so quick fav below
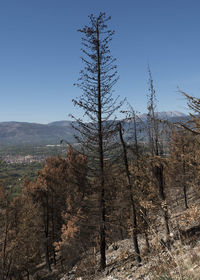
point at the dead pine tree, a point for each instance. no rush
(131, 115)
(137, 154)
(181, 154)
(156, 151)
(133, 207)
(96, 132)
(190, 138)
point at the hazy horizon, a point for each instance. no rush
(69, 120)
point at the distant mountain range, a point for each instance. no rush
(15, 133)
(33, 133)
(165, 115)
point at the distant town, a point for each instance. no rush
(30, 154)
(10, 159)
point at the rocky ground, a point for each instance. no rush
(181, 262)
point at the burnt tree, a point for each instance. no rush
(130, 187)
(156, 151)
(96, 132)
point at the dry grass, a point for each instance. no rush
(181, 262)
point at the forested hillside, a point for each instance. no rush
(53, 224)
(122, 203)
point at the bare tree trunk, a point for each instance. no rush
(134, 214)
(46, 232)
(153, 131)
(4, 248)
(27, 275)
(160, 177)
(135, 137)
(121, 226)
(185, 195)
(147, 241)
(53, 228)
(8, 268)
(48, 265)
(101, 161)
(184, 185)
(5, 268)
(145, 219)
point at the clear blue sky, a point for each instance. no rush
(40, 53)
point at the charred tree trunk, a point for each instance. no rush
(133, 208)
(135, 138)
(101, 160)
(46, 232)
(160, 178)
(96, 80)
(48, 265)
(5, 262)
(145, 219)
(53, 228)
(155, 148)
(4, 247)
(27, 275)
(147, 241)
(184, 183)
(121, 226)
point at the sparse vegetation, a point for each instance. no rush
(108, 208)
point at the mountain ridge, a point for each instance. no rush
(14, 132)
